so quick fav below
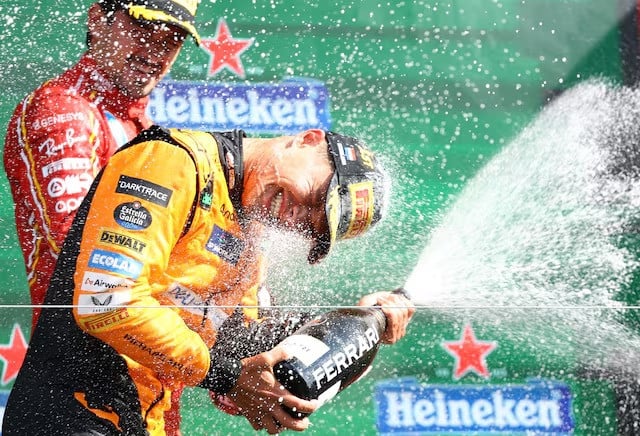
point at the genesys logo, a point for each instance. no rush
(540, 406)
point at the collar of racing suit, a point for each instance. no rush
(230, 153)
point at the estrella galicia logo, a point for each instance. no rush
(144, 189)
(540, 406)
(132, 216)
(225, 245)
(115, 262)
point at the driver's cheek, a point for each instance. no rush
(318, 219)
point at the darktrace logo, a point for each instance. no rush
(144, 190)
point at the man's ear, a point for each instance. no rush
(311, 137)
(95, 18)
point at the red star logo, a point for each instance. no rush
(225, 51)
(13, 355)
(470, 354)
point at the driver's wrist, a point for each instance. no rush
(223, 373)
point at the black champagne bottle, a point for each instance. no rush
(330, 353)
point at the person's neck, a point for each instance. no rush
(254, 151)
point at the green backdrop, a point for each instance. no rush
(436, 87)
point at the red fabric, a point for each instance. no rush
(57, 140)
(172, 416)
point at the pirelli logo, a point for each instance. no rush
(107, 320)
(113, 238)
(361, 208)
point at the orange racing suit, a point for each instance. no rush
(157, 258)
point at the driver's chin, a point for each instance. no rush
(138, 89)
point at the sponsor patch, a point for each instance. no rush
(89, 304)
(407, 407)
(52, 120)
(120, 240)
(115, 262)
(132, 216)
(189, 300)
(69, 185)
(107, 320)
(361, 208)
(67, 164)
(144, 189)
(225, 245)
(98, 282)
(206, 195)
(347, 153)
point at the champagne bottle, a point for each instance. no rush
(330, 353)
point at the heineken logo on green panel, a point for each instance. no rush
(263, 108)
(407, 407)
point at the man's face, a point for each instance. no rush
(289, 188)
(134, 54)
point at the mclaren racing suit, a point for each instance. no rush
(58, 139)
(157, 258)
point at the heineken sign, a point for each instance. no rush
(404, 406)
(284, 108)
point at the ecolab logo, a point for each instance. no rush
(407, 407)
(288, 107)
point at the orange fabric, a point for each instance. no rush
(153, 294)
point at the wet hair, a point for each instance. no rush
(109, 7)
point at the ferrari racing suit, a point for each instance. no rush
(58, 138)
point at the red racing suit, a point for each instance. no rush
(58, 138)
(157, 258)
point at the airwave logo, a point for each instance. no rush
(408, 407)
(288, 107)
(98, 282)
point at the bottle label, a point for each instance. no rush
(305, 348)
(329, 393)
